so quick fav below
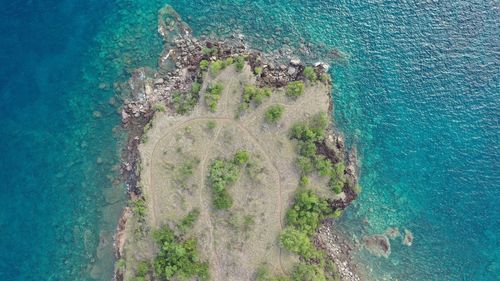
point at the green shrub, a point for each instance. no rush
(184, 102)
(297, 242)
(295, 89)
(142, 269)
(216, 67)
(310, 74)
(323, 166)
(273, 113)
(258, 70)
(308, 272)
(139, 207)
(305, 165)
(184, 171)
(304, 181)
(159, 107)
(195, 88)
(337, 180)
(253, 95)
(241, 157)
(263, 274)
(325, 78)
(204, 64)
(319, 121)
(211, 125)
(307, 211)
(213, 95)
(209, 51)
(228, 61)
(240, 63)
(178, 257)
(188, 221)
(223, 173)
(335, 185)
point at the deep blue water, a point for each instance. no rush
(416, 92)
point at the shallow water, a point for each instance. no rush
(416, 92)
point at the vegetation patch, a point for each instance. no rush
(222, 174)
(307, 211)
(308, 135)
(178, 257)
(274, 113)
(213, 95)
(240, 63)
(295, 89)
(310, 74)
(253, 95)
(185, 102)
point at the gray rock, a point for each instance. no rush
(378, 245)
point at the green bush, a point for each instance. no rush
(159, 107)
(253, 95)
(304, 181)
(307, 211)
(213, 95)
(240, 63)
(184, 171)
(319, 121)
(305, 165)
(223, 173)
(142, 269)
(297, 242)
(216, 67)
(241, 157)
(228, 61)
(195, 88)
(337, 180)
(263, 274)
(310, 74)
(204, 64)
(211, 125)
(139, 207)
(308, 272)
(209, 51)
(325, 78)
(307, 136)
(178, 257)
(323, 166)
(273, 113)
(184, 102)
(295, 89)
(188, 221)
(258, 70)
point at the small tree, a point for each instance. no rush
(273, 113)
(310, 74)
(295, 89)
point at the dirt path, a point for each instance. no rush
(205, 214)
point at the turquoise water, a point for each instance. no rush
(416, 92)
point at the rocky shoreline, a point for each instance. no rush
(179, 67)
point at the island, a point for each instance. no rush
(233, 166)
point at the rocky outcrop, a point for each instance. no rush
(378, 245)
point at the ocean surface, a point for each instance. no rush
(416, 91)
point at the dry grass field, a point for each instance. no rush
(175, 163)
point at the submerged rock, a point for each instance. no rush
(378, 245)
(408, 238)
(392, 232)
